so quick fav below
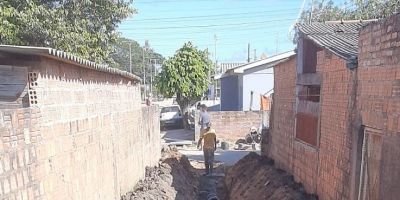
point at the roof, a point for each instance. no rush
(66, 57)
(268, 63)
(225, 66)
(339, 37)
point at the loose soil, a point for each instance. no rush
(252, 178)
(174, 179)
(255, 178)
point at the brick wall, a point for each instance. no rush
(369, 97)
(324, 169)
(335, 136)
(19, 137)
(283, 115)
(95, 138)
(378, 103)
(233, 125)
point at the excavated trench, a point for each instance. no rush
(252, 178)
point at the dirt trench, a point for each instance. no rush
(252, 178)
(174, 178)
(255, 178)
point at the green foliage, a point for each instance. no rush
(185, 75)
(121, 57)
(83, 27)
(323, 10)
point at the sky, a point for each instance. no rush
(225, 27)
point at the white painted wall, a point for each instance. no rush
(260, 82)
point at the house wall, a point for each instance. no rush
(258, 81)
(93, 140)
(230, 93)
(324, 169)
(378, 104)
(283, 115)
(333, 178)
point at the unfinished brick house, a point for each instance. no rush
(335, 116)
(70, 128)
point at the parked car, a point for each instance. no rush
(171, 116)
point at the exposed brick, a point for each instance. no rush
(103, 112)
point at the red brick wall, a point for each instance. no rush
(95, 138)
(335, 144)
(378, 100)
(324, 169)
(19, 138)
(233, 125)
(283, 115)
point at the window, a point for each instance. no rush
(170, 109)
(307, 116)
(307, 128)
(310, 93)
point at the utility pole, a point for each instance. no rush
(248, 52)
(255, 54)
(130, 57)
(144, 70)
(215, 65)
(277, 43)
(151, 74)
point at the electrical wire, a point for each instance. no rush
(207, 16)
(210, 25)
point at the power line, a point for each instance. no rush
(216, 18)
(221, 36)
(229, 30)
(206, 16)
(174, 1)
(212, 25)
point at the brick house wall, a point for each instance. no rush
(322, 169)
(335, 136)
(378, 105)
(94, 138)
(359, 106)
(283, 115)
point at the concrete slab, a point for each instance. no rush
(177, 135)
(227, 158)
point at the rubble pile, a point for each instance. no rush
(173, 179)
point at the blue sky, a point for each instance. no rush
(167, 24)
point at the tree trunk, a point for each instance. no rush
(184, 104)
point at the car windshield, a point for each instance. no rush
(170, 109)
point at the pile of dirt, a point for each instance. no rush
(173, 179)
(254, 177)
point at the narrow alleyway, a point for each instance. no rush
(238, 175)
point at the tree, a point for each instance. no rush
(83, 27)
(322, 10)
(121, 57)
(185, 76)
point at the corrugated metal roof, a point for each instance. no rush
(57, 54)
(339, 37)
(268, 62)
